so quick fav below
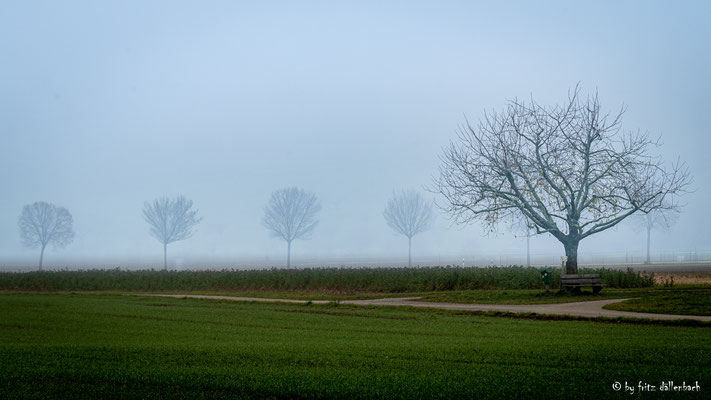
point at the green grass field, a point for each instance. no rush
(689, 302)
(113, 346)
(686, 301)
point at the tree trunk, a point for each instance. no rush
(409, 252)
(571, 251)
(42, 256)
(528, 249)
(288, 254)
(649, 234)
(165, 256)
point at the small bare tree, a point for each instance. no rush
(568, 169)
(407, 213)
(170, 221)
(654, 220)
(42, 223)
(291, 214)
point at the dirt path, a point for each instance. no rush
(582, 309)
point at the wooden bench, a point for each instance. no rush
(575, 282)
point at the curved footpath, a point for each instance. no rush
(581, 309)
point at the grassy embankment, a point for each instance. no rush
(682, 301)
(105, 346)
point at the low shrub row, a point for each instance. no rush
(343, 280)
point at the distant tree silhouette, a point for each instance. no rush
(43, 223)
(407, 213)
(170, 221)
(291, 214)
(660, 220)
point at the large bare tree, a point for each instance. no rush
(43, 223)
(170, 221)
(660, 220)
(569, 169)
(291, 214)
(407, 213)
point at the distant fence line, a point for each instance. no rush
(584, 258)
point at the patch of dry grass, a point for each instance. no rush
(683, 278)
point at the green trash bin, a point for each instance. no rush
(546, 277)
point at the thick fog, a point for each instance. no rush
(107, 105)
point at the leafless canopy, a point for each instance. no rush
(170, 220)
(408, 213)
(659, 219)
(42, 223)
(568, 169)
(291, 214)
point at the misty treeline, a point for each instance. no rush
(333, 280)
(568, 170)
(290, 214)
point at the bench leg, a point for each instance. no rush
(597, 289)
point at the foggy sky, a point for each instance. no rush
(106, 105)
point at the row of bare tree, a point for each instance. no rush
(290, 214)
(567, 170)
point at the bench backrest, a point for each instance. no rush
(571, 276)
(579, 278)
